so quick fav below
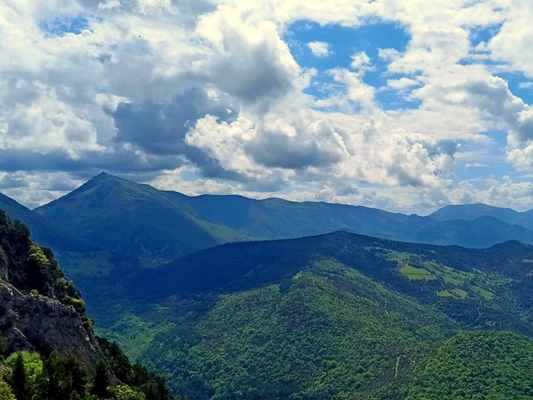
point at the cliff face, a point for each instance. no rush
(39, 309)
(45, 325)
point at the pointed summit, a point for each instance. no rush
(134, 219)
(105, 180)
(102, 175)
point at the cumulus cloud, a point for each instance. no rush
(150, 88)
(319, 49)
(360, 61)
(244, 146)
(402, 83)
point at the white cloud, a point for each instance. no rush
(320, 49)
(402, 83)
(525, 85)
(146, 86)
(360, 61)
(474, 165)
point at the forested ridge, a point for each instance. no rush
(48, 350)
(338, 316)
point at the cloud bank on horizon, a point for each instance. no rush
(402, 105)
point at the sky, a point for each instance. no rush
(402, 105)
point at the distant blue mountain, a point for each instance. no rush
(138, 220)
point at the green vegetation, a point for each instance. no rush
(460, 293)
(477, 366)
(315, 318)
(78, 304)
(319, 323)
(339, 316)
(43, 231)
(458, 284)
(25, 375)
(444, 293)
(483, 293)
(134, 220)
(46, 373)
(87, 264)
(416, 273)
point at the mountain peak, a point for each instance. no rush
(102, 178)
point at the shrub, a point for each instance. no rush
(78, 304)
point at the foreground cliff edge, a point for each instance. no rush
(48, 348)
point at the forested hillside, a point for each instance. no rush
(333, 316)
(48, 350)
(43, 230)
(478, 366)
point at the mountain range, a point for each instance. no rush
(123, 217)
(332, 316)
(469, 212)
(236, 298)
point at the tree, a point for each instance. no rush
(5, 392)
(18, 378)
(124, 392)
(65, 378)
(101, 380)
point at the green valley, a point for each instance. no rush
(333, 316)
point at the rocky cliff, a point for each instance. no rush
(39, 309)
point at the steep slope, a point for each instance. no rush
(43, 231)
(233, 321)
(39, 309)
(132, 219)
(326, 332)
(47, 346)
(477, 365)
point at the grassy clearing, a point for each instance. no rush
(397, 256)
(459, 293)
(483, 293)
(444, 293)
(416, 273)
(409, 271)
(455, 277)
(457, 284)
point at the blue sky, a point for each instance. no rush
(343, 43)
(407, 106)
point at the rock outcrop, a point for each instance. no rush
(35, 322)
(39, 309)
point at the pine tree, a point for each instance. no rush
(18, 379)
(101, 380)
